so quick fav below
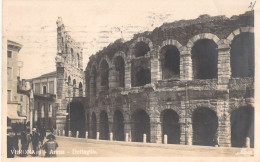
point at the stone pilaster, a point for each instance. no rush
(128, 74)
(224, 69)
(113, 78)
(185, 65)
(155, 65)
(156, 130)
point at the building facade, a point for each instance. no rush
(44, 97)
(192, 80)
(16, 101)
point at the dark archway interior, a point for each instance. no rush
(171, 126)
(118, 126)
(87, 88)
(93, 82)
(94, 125)
(120, 71)
(243, 55)
(88, 124)
(242, 126)
(77, 119)
(74, 88)
(205, 125)
(140, 49)
(104, 73)
(104, 128)
(170, 62)
(204, 59)
(80, 90)
(142, 77)
(141, 126)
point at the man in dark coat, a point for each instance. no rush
(10, 144)
(42, 134)
(35, 141)
(50, 146)
(24, 143)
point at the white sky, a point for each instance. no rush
(94, 23)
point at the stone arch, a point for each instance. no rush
(169, 56)
(77, 118)
(204, 54)
(238, 31)
(74, 84)
(118, 125)
(119, 53)
(171, 42)
(118, 64)
(205, 126)
(242, 126)
(242, 52)
(144, 40)
(80, 89)
(170, 126)
(94, 125)
(104, 125)
(104, 68)
(93, 80)
(87, 84)
(141, 125)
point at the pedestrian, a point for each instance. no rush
(10, 144)
(42, 134)
(50, 146)
(35, 141)
(24, 143)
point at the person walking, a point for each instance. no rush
(35, 141)
(50, 146)
(42, 134)
(24, 143)
(10, 144)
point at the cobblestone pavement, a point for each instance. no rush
(71, 147)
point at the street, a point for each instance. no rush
(76, 147)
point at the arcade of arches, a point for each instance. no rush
(197, 88)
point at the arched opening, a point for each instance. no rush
(94, 125)
(170, 62)
(88, 124)
(72, 55)
(69, 83)
(77, 119)
(87, 88)
(104, 127)
(118, 126)
(141, 76)
(205, 125)
(242, 126)
(78, 61)
(104, 75)
(204, 59)
(74, 88)
(170, 126)
(93, 80)
(242, 55)
(140, 49)
(141, 124)
(80, 90)
(120, 71)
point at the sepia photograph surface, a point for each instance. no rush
(138, 80)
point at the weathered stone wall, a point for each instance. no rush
(185, 95)
(70, 75)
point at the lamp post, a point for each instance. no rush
(31, 107)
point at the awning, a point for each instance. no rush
(12, 113)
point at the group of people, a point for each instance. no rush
(31, 143)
